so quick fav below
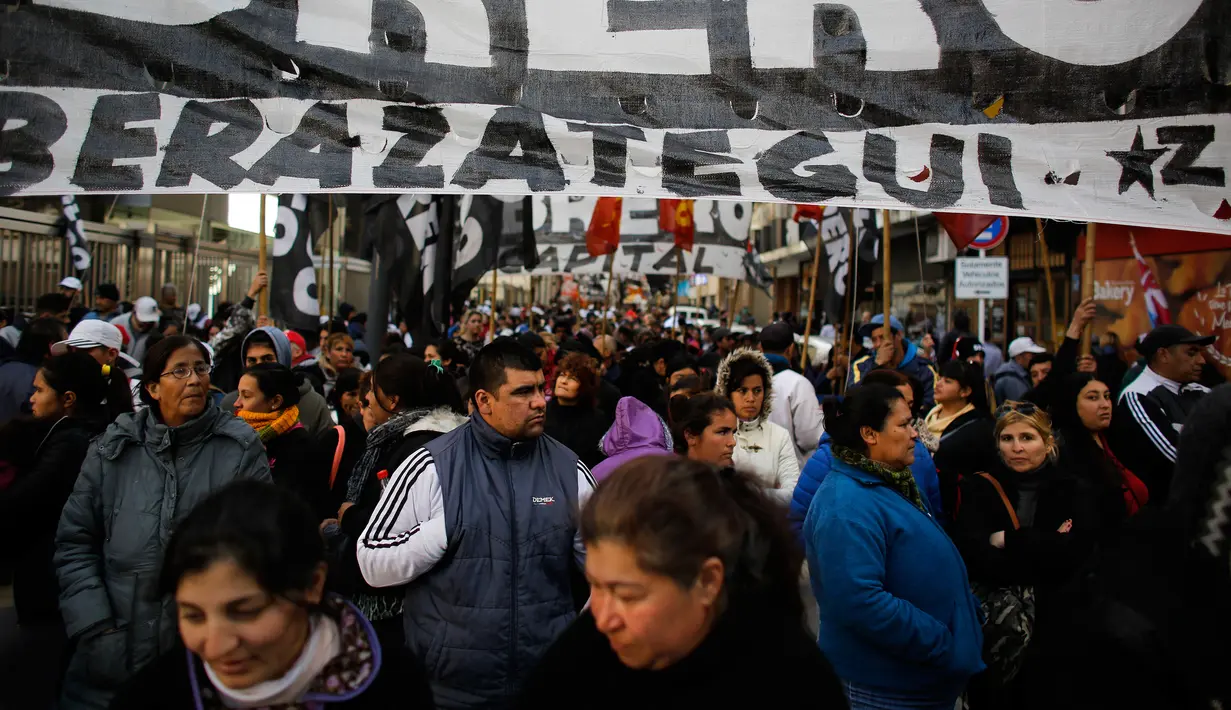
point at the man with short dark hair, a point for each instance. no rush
(480, 525)
(1150, 413)
(722, 342)
(795, 407)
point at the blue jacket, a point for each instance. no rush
(913, 364)
(895, 603)
(924, 470)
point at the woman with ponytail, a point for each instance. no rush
(694, 600)
(74, 399)
(268, 400)
(409, 404)
(897, 616)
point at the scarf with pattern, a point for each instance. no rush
(269, 425)
(901, 481)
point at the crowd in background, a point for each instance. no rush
(549, 507)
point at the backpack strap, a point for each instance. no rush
(1004, 499)
(337, 455)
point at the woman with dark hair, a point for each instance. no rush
(343, 399)
(762, 447)
(1082, 414)
(573, 417)
(74, 399)
(706, 428)
(410, 403)
(898, 619)
(818, 466)
(693, 599)
(246, 572)
(962, 426)
(268, 401)
(681, 366)
(140, 476)
(1025, 529)
(17, 373)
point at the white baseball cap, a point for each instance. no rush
(90, 334)
(146, 310)
(71, 282)
(1024, 344)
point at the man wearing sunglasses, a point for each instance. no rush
(1150, 412)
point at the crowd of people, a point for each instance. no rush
(558, 508)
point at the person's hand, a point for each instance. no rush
(1065, 526)
(262, 321)
(1086, 363)
(997, 540)
(345, 507)
(884, 354)
(1081, 318)
(260, 280)
(327, 522)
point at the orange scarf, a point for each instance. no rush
(272, 424)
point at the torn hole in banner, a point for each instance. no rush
(373, 144)
(992, 108)
(280, 117)
(159, 74)
(635, 105)
(746, 107)
(285, 67)
(403, 42)
(1119, 102)
(922, 175)
(847, 106)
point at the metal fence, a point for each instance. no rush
(33, 260)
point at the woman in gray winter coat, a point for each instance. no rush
(140, 477)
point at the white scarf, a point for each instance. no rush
(324, 644)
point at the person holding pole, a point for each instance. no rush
(892, 351)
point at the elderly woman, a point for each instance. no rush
(898, 620)
(141, 476)
(761, 447)
(693, 600)
(573, 416)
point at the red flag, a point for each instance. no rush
(812, 212)
(603, 234)
(963, 228)
(677, 217)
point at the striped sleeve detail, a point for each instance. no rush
(1156, 436)
(397, 492)
(406, 535)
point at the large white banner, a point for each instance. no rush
(1112, 110)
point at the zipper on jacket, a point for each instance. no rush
(508, 472)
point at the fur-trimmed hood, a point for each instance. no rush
(441, 420)
(723, 386)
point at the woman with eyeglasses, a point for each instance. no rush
(1024, 529)
(139, 478)
(245, 574)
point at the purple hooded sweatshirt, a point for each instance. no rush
(637, 431)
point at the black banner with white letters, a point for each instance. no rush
(74, 233)
(292, 283)
(1115, 111)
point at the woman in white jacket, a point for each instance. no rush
(761, 447)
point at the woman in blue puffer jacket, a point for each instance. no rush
(924, 469)
(898, 620)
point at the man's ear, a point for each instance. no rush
(483, 401)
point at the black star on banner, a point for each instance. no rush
(1137, 164)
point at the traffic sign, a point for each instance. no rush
(991, 237)
(982, 278)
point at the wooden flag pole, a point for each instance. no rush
(495, 273)
(610, 284)
(679, 269)
(1087, 281)
(1051, 289)
(885, 240)
(731, 293)
(262, 259)
(816, 266)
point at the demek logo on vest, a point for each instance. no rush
(547, 500)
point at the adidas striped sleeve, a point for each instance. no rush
(406, 535)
